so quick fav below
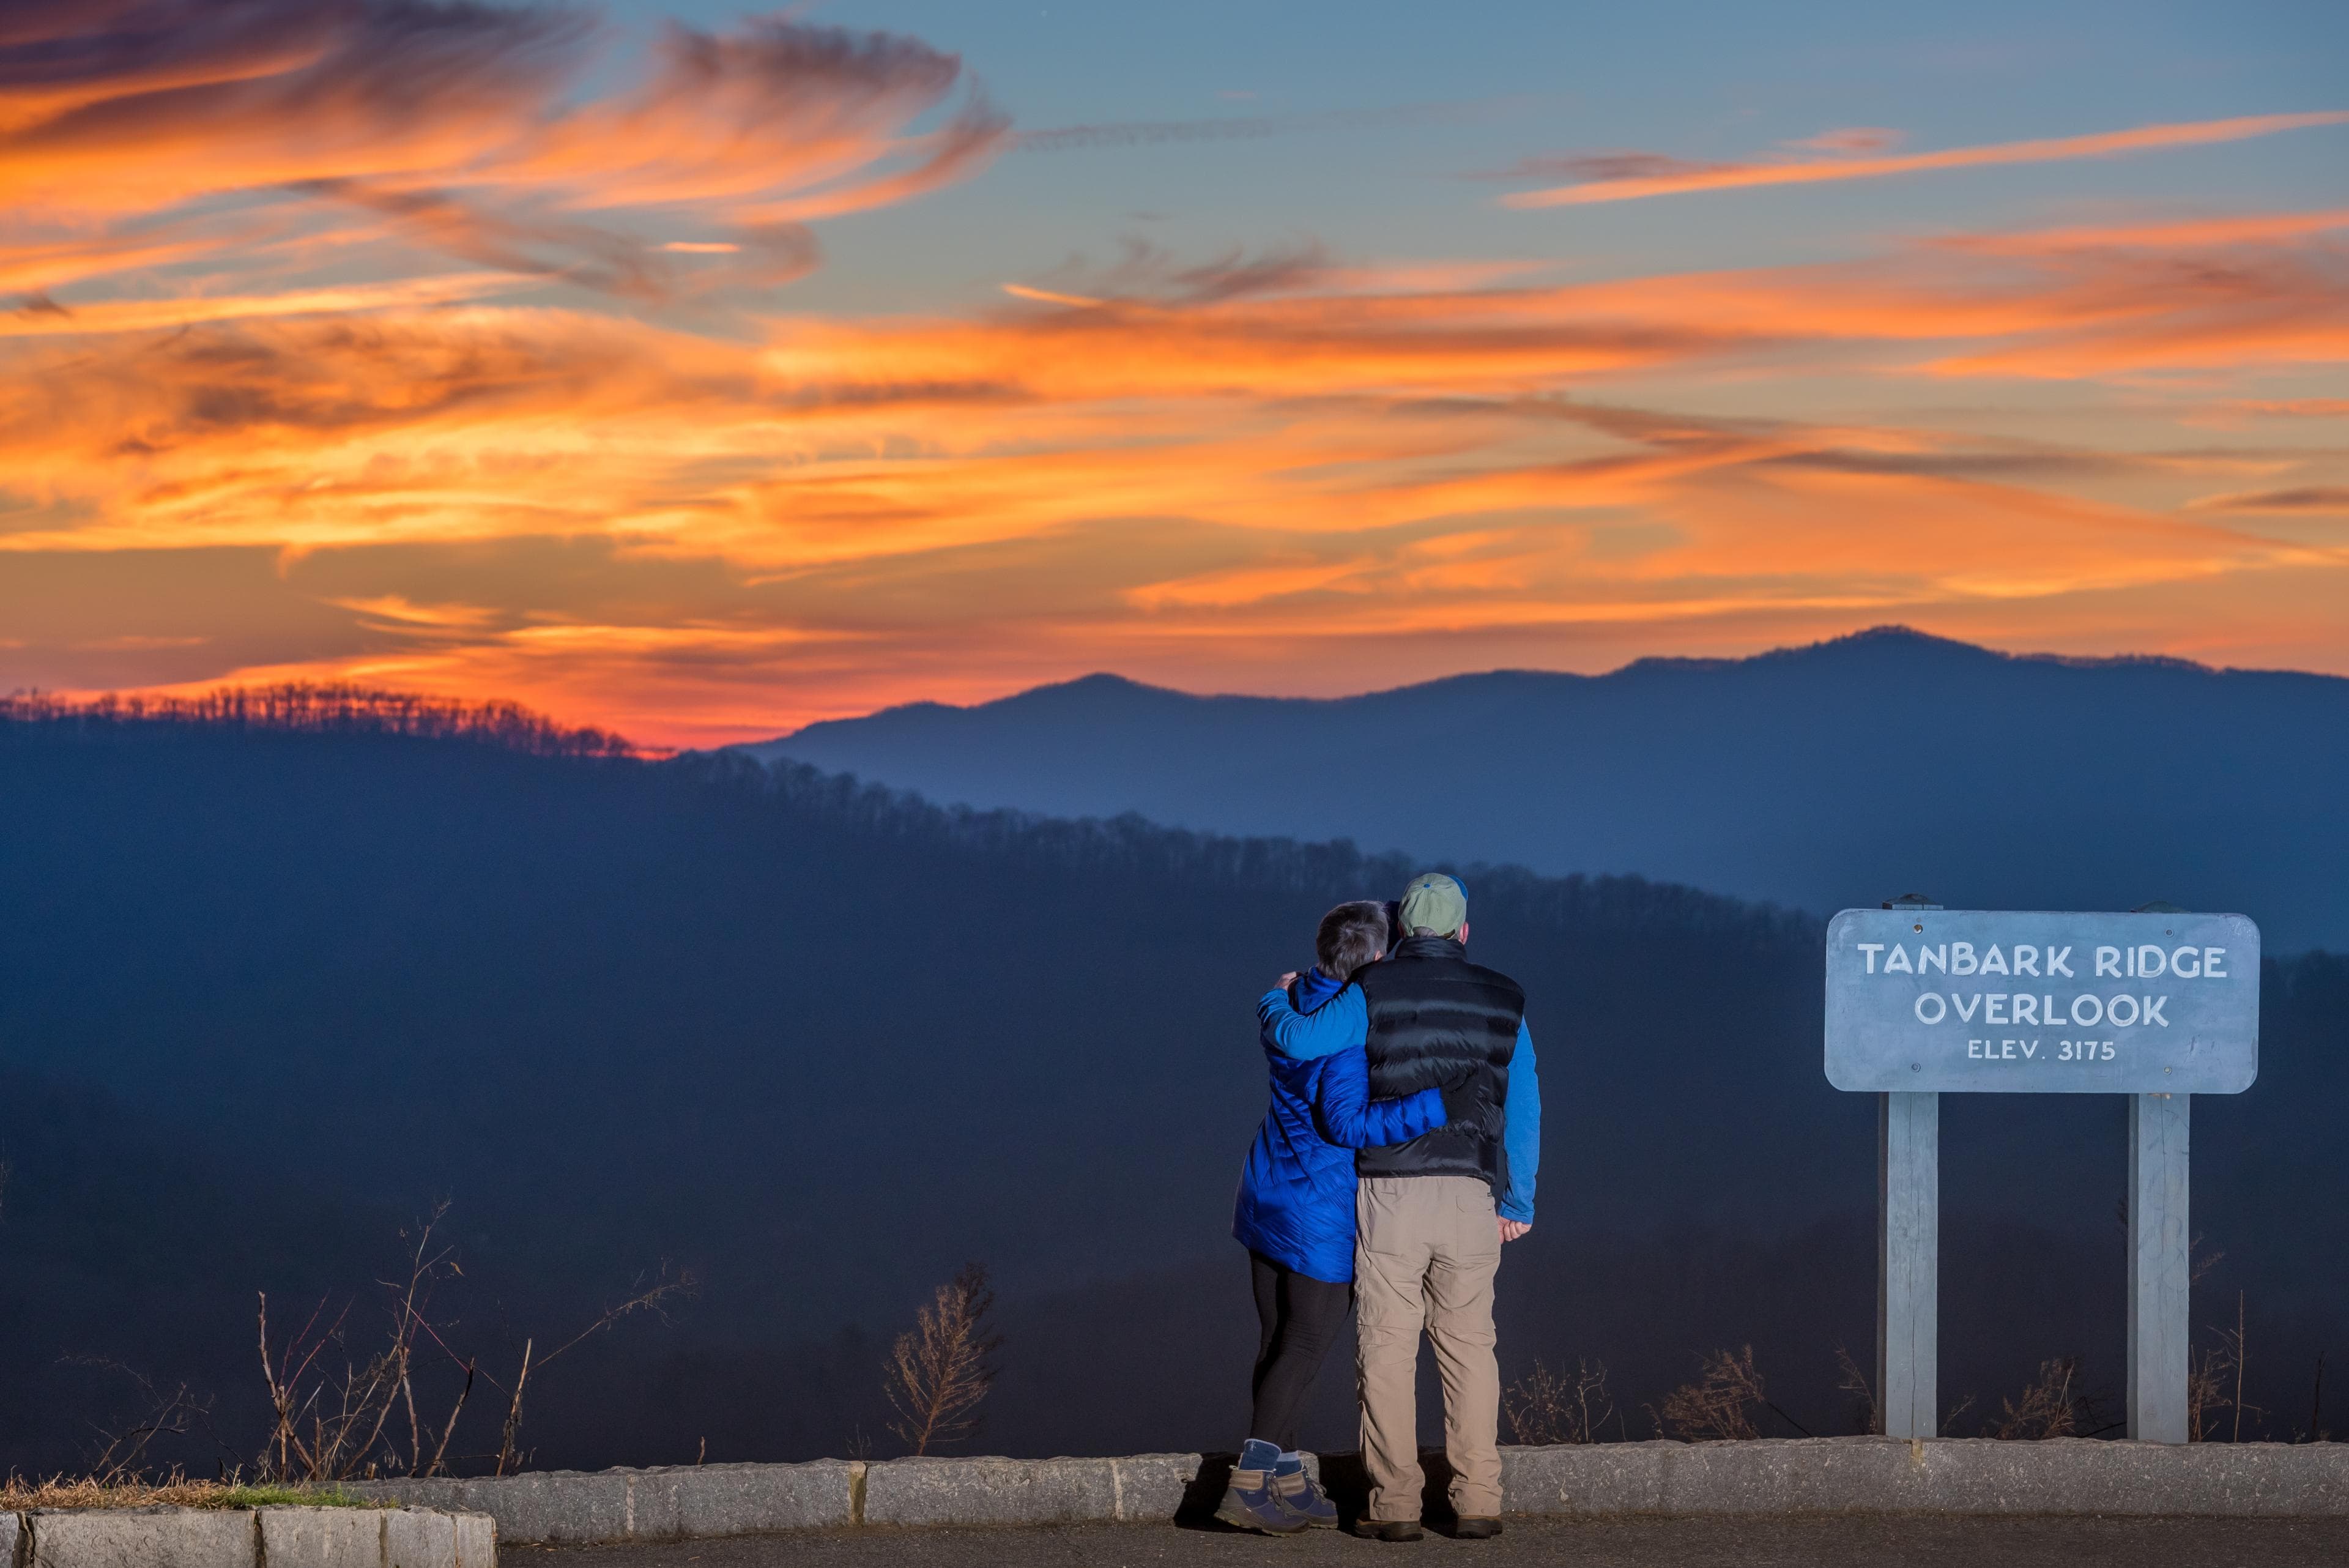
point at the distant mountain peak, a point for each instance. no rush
(1106, 690)
(1878, 642)
(1099, 682)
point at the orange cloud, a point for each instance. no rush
(50, 320)
(2329, 499)
(471, 131)
(2237, 229)
(692, 527)
(2296, 408)
(1628, 177)
(1852, 139)
(299, 427)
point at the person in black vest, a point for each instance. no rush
(1431, 1214)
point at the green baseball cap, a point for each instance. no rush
(1434, 900)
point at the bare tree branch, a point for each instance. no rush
(939, 1370)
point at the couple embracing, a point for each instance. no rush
(1397, 1157)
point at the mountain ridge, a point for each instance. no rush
(1816, 777)
(1889, 633)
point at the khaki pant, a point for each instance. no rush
(1425, 1251)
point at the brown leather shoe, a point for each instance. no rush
(1476, 1530)
(1388, 1530)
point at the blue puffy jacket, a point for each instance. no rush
(1296, 1201)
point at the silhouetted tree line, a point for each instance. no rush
(301, 709)
(1134, 846)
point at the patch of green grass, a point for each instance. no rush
(274, 1496)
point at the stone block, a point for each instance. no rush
(1150, 1487)
(424, 1538)
(1941, 1475)
(144, 1537)
(989, 1492)
(699, 1500)
(1585, 1478)
(1980, 1475)
(2077, 1475)
(12, 1541)
(322, 1537)
(477, 1541)
(539, 1507)
(415, 1538)
(1791, 1475)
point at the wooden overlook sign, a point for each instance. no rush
(2157, 1004)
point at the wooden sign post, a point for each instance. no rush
(2159, 1268)
(1908, 1260)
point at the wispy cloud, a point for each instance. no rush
(1853, 138)
(2331, 499)
(1633, 176)
(2172, 234)
(2293, 408)
(1244, 127)
(173, 127)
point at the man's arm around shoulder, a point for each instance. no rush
(1338, 1024)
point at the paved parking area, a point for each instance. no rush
(1761, 1542)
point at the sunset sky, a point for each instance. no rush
(699, 373)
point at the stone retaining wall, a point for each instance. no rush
(246, 1538)
(1829, 1474)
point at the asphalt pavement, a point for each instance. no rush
(1731, 1543)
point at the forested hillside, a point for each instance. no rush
(278, 981)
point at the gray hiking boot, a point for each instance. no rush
(1302, 1498)
(1250, 1503)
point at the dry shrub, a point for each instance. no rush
(1544, 1408)
(938, 1371)
(2206, 1392)
(2054, 1405)
(1720, 1405)
(340, 1412)
(172, 1490)
(19, 1495)
(122, 1460)
(340, 1416)
(2045, 1410)
(1865, 1408)
(2214, 1382)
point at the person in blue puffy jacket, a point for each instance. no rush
(1294, 1214)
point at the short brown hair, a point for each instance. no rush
(1352, 935)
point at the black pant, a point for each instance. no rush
(1300, 1317)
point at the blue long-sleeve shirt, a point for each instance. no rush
(1344, 1023)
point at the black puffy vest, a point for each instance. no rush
(1433, 1014)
